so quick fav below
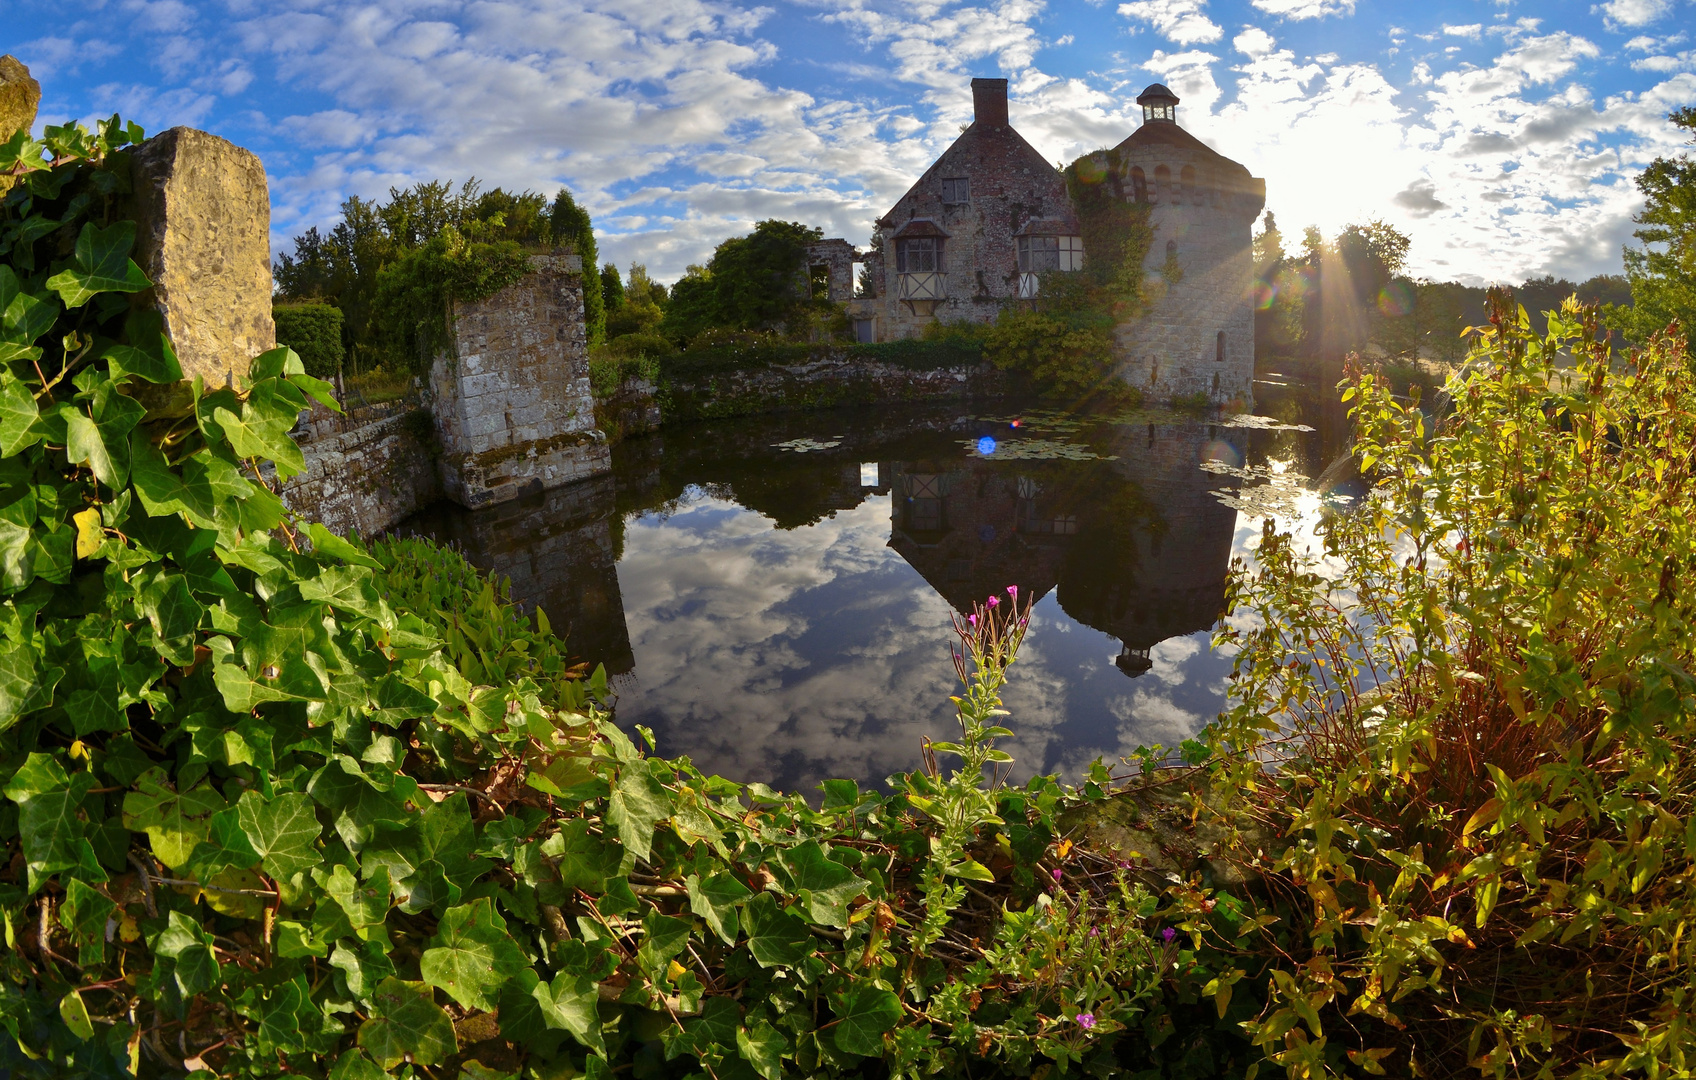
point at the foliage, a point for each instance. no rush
(314, 332)
(1469, 732)
(610, 369)
(1663, 271)
(612, 287)
(570, 224)
(417, 292)
(642, 307)
(754, 282)
(347, 267)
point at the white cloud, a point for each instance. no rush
(1253, 41)
(1684, 61)
(1179, 21)
(1473, 31)
(1305, 9)
(1634, 12)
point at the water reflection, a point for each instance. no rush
(774, 595)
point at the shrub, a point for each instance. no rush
(1471, 728)
(314, 332)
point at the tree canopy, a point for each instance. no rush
(1663, 271)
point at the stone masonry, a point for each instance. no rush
(949, 249)
(513, 407)
(20, 95)
(203, 235)
(365, 470)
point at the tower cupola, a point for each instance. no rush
(1158, 103)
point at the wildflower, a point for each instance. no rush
(1057, 874)
(993, 601)
(1168, 934)
(1086, 1020)
(1013, 591)
(1095, 931)
(973, 619)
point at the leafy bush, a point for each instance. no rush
(413, 310)
(314, 332)
(1472, 729)
(608, 371)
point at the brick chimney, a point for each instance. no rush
(989, 102)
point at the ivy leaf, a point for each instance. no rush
(18, 415)
(663, 937)
(407, 1022)
(184, 941)
(638, 803)
(126, 361)
(174, 823)
(283, 831)
(865, 1013)
(826, 887)
(85, 445)
(763, 1047)
(50, 819)
(83, 914)
(775, 937)
(26, 683)
(573, 1004)
(585, 859)
(74, 1012)
(102, 264)
(472, 955)
(715, 900)
(366, 903)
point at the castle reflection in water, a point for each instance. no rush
(1123, 528)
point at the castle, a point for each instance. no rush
(991, 217)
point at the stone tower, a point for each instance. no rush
(1197, 335)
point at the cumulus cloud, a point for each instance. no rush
(1420, 199)
(1634, 12)
(1305, 9)
(1179, 21)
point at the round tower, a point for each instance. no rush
(1196, 336)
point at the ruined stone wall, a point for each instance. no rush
(513, 407)
(366, 470)
(829, 378)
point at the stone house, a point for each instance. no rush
(972, 234)
(981, 226)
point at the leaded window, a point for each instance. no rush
(956, 189)
(918, 255)
(1040, 253)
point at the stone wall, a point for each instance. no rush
(513, 407)
(365, 470)
(829, 378)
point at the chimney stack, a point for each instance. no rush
(989, 102)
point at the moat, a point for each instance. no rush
(772, 596)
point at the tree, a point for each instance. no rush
(758, 282)
(571, 224)
(1268, 243)
(643, 306)
(1663, 271)
(612, 288)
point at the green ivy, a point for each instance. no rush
(314, 332)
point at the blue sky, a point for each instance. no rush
(1503, 136)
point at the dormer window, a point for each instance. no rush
(956, 189)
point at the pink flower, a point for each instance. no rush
(993, 601)
(1086, 1020)
(1057, 874)
(973, 619)
(1013, 591)
(1168, 934)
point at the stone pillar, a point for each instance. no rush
(20, 95)
(513, 406)
(203, 235)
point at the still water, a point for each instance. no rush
(772, 595)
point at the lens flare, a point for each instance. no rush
(1395, 299)
(986, 446)
(1262, 294)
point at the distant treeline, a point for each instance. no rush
(1350, 294)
